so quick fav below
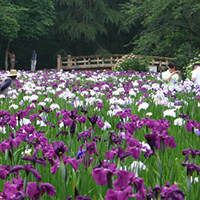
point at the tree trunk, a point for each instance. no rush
(6, 55)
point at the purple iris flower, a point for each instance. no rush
(126, 178)
(165, 192)
(114, 139)
(67, 122)
(7, 119)
(81, 119)
(93, 119)
(152, 124)
(22, 113)
(59, 148)
(50, 124)
(163, 124)
(123, 114)
(130, 127)
(55, 165)
(166, 139)
(176, 194)
(109, 155)
(84, 111)
(120, 126)
(184, 116)
(34, 116)
(73, 127)
(44, 109)
(91, 148)
(11, 192)
(190, 125)
(34, 159)
(191, 168)
(134, 151)
(123, 179)
(85, 134)
(19, 182)
(62, 132)
(4, 171)
(119, 152)
(191, 152)
(10, 143)
(155, 192)
(100, 105)
(73, 114)
(134, 148)
(102, 175)
(99, 122)
(74, 163)
(152, 141)
(156, 140)
(28, 168)
(35, 192)
(121, 194)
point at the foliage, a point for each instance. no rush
(166, 25)
(26, 19)
(9, 20)
(41, 11)
(85, 19)
(132, 62)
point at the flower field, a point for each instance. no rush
(99, 135)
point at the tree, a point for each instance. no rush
(9, 24)
(166, 27)
(28, 19)
(85, 20)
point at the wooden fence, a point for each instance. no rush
(105, 62)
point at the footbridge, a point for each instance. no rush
(106, 62)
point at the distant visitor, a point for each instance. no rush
(12, 59)
(33, 60)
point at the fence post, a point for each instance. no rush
(59, 62)
(69, 61)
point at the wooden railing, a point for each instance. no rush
(102, 62)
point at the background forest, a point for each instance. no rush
(86, 27)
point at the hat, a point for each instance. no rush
(13, 72)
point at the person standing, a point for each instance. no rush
(12, 59)
(172, 76)
(8, 81)
(33, 60)
(196, 74)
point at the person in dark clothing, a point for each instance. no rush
(8, 82)
(33, 60)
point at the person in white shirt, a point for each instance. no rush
(171, 77)
(196, 74)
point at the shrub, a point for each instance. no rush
(131, 62)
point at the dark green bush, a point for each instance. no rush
(131, 62)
